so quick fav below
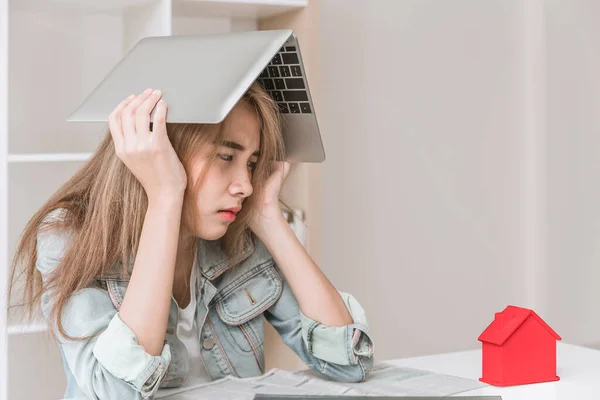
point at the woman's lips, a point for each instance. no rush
(227, 215)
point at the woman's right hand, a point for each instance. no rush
(148, 154)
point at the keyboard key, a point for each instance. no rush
(279, 84)
(277, 95)
(305, 107)
(269, 84)
(276, 60)
(295, 95)
(284, 70)
(296, 71)
(290, 48)
(294, 108)
(281, 50)
(273, 72)
(295, 83)
(283, 108)
(265, 73)
(290, 58)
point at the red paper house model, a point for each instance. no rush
(518, 347)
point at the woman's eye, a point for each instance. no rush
(225, 157)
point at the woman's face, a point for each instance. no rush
(227, 181)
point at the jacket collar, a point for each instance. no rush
(213, 260)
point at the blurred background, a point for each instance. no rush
(462, 170)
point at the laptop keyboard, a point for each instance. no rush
(284, 80)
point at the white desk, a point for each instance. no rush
(578, 369)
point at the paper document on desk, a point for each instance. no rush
(391, 380)
(384, 379)
(274, 381)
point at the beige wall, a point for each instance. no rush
(462, 159)
(421, 202)
(3, 196)
(573, 149)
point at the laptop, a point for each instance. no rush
(203, 76)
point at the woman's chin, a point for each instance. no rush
(213, 233)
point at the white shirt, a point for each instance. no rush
(187, 332)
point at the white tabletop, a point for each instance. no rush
(578, 369)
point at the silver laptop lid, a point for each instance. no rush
(203, 77)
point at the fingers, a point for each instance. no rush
(114, 122)
(285, 165)
(159, 124)
(132, 118)
(128, 123)
(142, 114)
(280, 169)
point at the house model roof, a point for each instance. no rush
(508, 322)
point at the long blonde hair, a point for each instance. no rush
(106, 206)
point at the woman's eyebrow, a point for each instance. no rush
(237, 146)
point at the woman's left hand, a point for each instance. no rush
(268, 205)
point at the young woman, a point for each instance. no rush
(158, 261)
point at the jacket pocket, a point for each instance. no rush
(249, 295)
(242, 304)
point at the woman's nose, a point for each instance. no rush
(242, 185)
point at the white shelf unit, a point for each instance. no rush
(47, 157)
(52, 54)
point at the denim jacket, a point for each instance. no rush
(232, 304)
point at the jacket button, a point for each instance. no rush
(208, 343)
